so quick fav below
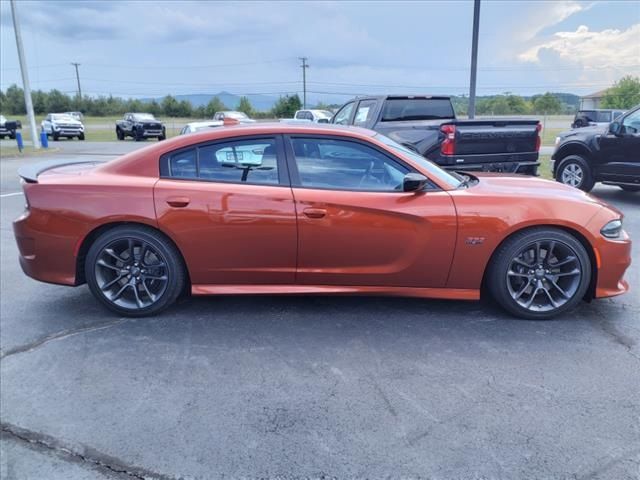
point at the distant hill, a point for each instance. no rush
(261, 103)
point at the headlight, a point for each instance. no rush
(557, 141)
(56, 127)
(613, 229)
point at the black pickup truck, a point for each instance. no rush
(428, 125)
(140, 126)
(609, 154)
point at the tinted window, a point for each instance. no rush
(603, 117)
(364, 112)
(345, 165)
(342, 117)
(631, 123)
(183, 164)
(252, 161)
(395, 109)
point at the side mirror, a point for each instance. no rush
(615, 128)
(414, 182)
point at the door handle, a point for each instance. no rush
(178, 202)
(314, 212)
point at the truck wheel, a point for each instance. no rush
(56, 137)
(575, 172)
(12, 135)
(162, 137)
(81, 136)
(630, 188)
(539, 273)
(119, 134)
(137, 135)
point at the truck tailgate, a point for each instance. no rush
(495, 137)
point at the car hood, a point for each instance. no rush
(584, 131)
(67, 121)
(524, 187)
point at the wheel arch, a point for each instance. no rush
(94, 234)
(571, 148)
(590, 294)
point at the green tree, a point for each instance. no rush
(58, 102)
(624, 94)
(286, 106)
(245, 106)
(214, 105)
(547, 104)
(170, 106)
(15, 100)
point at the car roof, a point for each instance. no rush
(400, 96)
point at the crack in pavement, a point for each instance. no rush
(60, 335)
(612, 331)
(97, 460)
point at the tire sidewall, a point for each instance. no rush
(175, 268)
(497, 277)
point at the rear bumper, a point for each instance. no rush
(530, 168)
(45, 257)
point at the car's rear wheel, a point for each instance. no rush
(134, 271)
(630, 188)
(575, 172)
(539, 273)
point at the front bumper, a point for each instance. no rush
(152, 133)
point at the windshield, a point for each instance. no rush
(144, 116)
(324, 114)
(432, 169)
(402, 109)
(63, 118)
(236, 115)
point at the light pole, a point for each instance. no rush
(78, 79)
(474, 59)
(304, 67)
(25, 77)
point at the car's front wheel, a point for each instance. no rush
(81, 136)
(134, 271)
(539, 273)
(575, 172)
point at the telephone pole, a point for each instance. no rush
(25, 77)
(78, 79)
(474, 59)
(304, 67)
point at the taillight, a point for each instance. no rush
(538, 138)
(448, 145)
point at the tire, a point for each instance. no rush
(578, 123)
(131, 285)
(119, 134)
(81, 136)
(575, 172)
(56, 137)
(12, 136)
(162, 137)
(549, 290)
(630, 188)
(136, 135)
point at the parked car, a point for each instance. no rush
(197, 126)
(587, 118)
(610, 155)
(77, 115)
(315, 116)
(230, 114)
(311, 209)
(8, 127)
(428, 125)
(140, 126)
(56, 125)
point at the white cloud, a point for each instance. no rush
(547, 14)
(607, 48)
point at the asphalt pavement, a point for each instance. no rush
(312, 387)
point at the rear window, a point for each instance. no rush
(398, 109)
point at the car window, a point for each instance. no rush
(602, 117)
(183, 164)
(364, 112)
(631, 123)
(342, 117)
(415, 108)
(252, 161)
(345, 165)
(300, 114)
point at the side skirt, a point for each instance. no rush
(441, 293)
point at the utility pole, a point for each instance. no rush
(25, 77)
(304, 67)
(474, 59)
(78, 79)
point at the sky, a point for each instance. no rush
(154, 48)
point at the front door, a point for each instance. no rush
(619, 156)
(229, 205)
(355, 224)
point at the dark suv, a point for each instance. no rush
(586, 118)
(609, 154)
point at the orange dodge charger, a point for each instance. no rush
(297, 209)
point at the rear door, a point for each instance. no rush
(229, 207)
(355, 224)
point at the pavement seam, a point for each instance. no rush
(95, 459)
(61, 335)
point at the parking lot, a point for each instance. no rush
(312, 387)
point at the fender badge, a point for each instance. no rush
(474, 240)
